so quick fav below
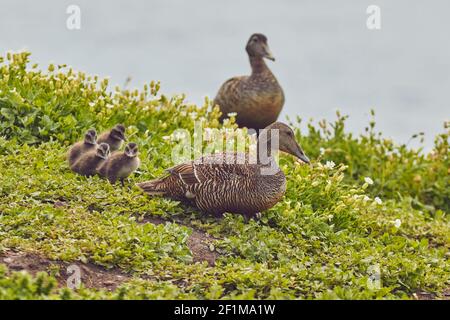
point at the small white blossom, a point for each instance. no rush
(397, 223)
(366, 198)
(329, 165)
(322, 151)
(368, 180)
(232, 114)
(179, 135)
(378, 200)
(166, 138)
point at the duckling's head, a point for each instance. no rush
(102, 151)
(90, 137)
(287, 142)
(131, 150)
(257, 47)
(118, 132)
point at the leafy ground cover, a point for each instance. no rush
(369, 219)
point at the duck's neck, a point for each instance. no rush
(265, 148)
(258, 66)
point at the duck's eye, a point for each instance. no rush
(255, 39)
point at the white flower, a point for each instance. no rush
(322, 151)
(91, 104)
(397, 223)
(368, 180)
(178, 135)
(232, 114)
(366, 198)
(166, 137)
(378, 200)
(329, 165)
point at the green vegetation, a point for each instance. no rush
(324, 240)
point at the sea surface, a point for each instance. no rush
(326, 57)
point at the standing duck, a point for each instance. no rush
(88, 163)
(257, 99)
(113, 137)
(81, 147)
(231, 182)
(120, 164)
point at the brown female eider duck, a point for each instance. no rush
(257, 99)
(231, 182)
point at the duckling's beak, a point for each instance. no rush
(267, 53)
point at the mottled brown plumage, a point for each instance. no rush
(256, 99)
(89, 162)
(120, 164)
(81, 147)
(114, 137)
(230, 182)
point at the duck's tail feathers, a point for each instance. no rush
(155, 187)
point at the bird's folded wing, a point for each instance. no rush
(199, 172)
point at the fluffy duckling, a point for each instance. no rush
(81, 147)
(257, 99)
(121, 164)
(113, 137)
(89, 162)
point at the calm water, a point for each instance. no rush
(327, 59)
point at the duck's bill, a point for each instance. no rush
(303, 158)
(268, 54)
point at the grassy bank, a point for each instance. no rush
(367, 206)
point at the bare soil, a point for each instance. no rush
(92, 276)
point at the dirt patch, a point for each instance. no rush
(199, 242)
(431, 296)
(92, 276)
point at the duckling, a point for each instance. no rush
(81, 147)
(113, 137)
(121, 164)
(231, 182)
(89, 162)
(257, 99)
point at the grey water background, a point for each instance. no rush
(327, 59)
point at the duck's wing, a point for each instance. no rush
(220, 167)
